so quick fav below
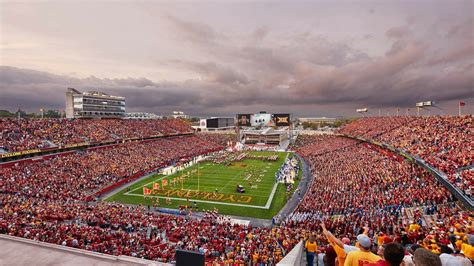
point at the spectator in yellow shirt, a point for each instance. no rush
(311, 248)
(337, 244)
(362, 256)
(468, 248)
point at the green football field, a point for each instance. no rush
(209, 185)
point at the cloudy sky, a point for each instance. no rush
(311, 58)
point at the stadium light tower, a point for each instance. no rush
(424, 105)
(362, 111)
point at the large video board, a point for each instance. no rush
(263, 120)
(281, 120)
(243, 120)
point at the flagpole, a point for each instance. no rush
(459, 106)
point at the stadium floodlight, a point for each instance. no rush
(362, 110)
(424, 105)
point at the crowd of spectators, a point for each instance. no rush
(355, 185)
(42, 200)
(312, 145)
(224, 139)
(26, 134)
(132, 230)
(73, 175)
(360, 183)
(444, 142)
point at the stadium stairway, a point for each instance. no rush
(408, 215)
(50, 144)
(430, 220)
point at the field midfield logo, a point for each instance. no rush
(244, 199)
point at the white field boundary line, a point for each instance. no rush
(270, 199)
(266, 207)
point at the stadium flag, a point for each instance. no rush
(164, 182)
(156, 186)
(146, 191)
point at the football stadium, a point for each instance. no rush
(237, 133)
(233, 183)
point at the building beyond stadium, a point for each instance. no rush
(216, 124)
(93, 104)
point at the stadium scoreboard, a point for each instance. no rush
(263, 119)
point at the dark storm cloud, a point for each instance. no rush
(344, 76)
(387, 81)
(34, 89)
(290, 71)
(215, 72)
(260, 33)
(462, 35)
(193, 31)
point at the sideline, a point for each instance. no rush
(304, 184)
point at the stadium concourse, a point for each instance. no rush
(357, 187)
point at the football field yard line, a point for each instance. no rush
(232, 179)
